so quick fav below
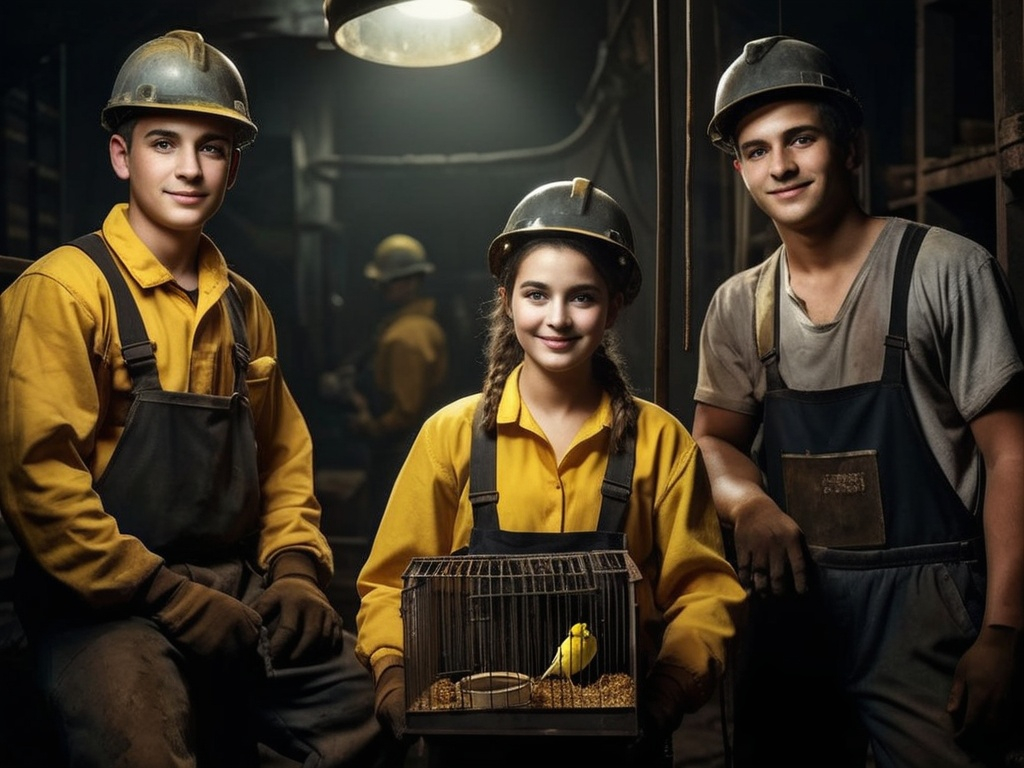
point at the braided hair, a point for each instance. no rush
(504, 352)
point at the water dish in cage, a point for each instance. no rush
(496, 690)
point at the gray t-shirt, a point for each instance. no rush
(962, 351)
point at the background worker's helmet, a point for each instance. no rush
(773, 69)
(397, 256)
(574, 210)
(180, 71)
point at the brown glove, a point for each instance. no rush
(668, 693)
(986, 699)
(300, 620)
(201, 620)
(390, 694)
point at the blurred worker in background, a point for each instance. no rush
(157, 473)
(880, 522)
(392, 386)
(555, 427)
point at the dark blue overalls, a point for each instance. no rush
(896, 576)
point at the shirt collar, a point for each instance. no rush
(512, 410)
(146, 269)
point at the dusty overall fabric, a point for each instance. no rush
(897, 583)
(122, 693)
(488, 539)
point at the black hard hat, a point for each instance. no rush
(575, 209)
(180, 71)
(773, 69)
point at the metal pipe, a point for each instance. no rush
(329, 165)
(688, 190)
(663, 226)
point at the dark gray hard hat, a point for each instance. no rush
(397, 256)
(577, 210)
(180, 71)
(774, 69)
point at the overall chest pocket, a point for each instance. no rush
(835, 498)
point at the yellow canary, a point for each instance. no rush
(575, 652)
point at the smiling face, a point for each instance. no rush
(179, 167)
(560, 306)
(792, 166)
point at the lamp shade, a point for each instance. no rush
(415, 33)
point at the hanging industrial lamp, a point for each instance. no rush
(415, 33)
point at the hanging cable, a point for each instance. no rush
(663, 227)
(688, 187)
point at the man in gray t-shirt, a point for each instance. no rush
(860, 406)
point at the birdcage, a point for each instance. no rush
(482, 630)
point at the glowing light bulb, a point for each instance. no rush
(435, 9)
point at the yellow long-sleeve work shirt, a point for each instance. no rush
(689, 598)
(65, 393)
(410, 362)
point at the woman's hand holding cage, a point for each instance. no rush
(390, 695)
(668, 693)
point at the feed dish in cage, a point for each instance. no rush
(475, 622)
(497, 690)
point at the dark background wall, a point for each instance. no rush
(350, 151)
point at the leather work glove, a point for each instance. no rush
(300, 620)
(389, 683)
(201, 620)
(986, 700)
(669, 692)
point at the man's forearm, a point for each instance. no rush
(735, 478)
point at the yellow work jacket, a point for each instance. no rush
(410, 362)
(689, 598)
(65, 394)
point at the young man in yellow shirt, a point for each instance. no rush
(156, 471)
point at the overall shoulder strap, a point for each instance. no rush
(242, 353)
(136, 347)
(483, 483)
(896, 339)
(616, 487)
(766, 319)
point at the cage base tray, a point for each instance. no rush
(512, 722)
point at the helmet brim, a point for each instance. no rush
(722, 128)
(373, 272)
(114, 114)
(505, 245)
